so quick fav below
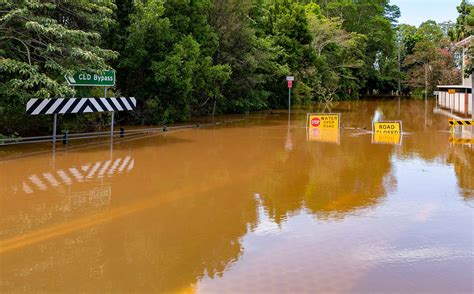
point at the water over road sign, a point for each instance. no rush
(323, 135)
(105, 78)
(323, 120)
(387, 132)
(461, 140)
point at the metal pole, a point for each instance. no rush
(54, 128)
(112, 118)
(112, 125)
(289, 100)
(54, 140)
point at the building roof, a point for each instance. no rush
(454, 87)
(465, 42)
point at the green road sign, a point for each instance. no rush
(83, 78)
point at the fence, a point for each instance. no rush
(79, 136)
(455, 98)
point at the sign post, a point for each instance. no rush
(84, 78)
(112, 117)
(54, 128)
(290, 80)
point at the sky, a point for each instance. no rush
(414, 12)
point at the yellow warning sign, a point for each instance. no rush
(451, 91)
(323, 120)
(323, 135)
(387, 133)
(461, 122)
(461, 140)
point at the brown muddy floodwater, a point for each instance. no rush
(247, 206)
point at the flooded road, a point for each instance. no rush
(254, 205)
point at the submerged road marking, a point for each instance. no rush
(81, 223)
(58, 230)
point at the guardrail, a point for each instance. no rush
(66, 137)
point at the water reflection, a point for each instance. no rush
(330, 180)
(289, 140)
(463, 161)
(252, 205)
(67, 176)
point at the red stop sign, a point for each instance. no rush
(315, 122)
(290, 84)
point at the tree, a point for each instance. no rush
(430, 65)
(282, 29)
(253, 59)
(339, 55)
(431, 31)
(376, 20)
(169, 61)
(464, 23)
(465, 28)
(40, 42)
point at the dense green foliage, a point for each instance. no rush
(184, 58)
(465, 28)
(427, 58)
(40, 42)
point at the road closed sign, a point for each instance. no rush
(323, 121)
(389, 132)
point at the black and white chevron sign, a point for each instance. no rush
(79, 105)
